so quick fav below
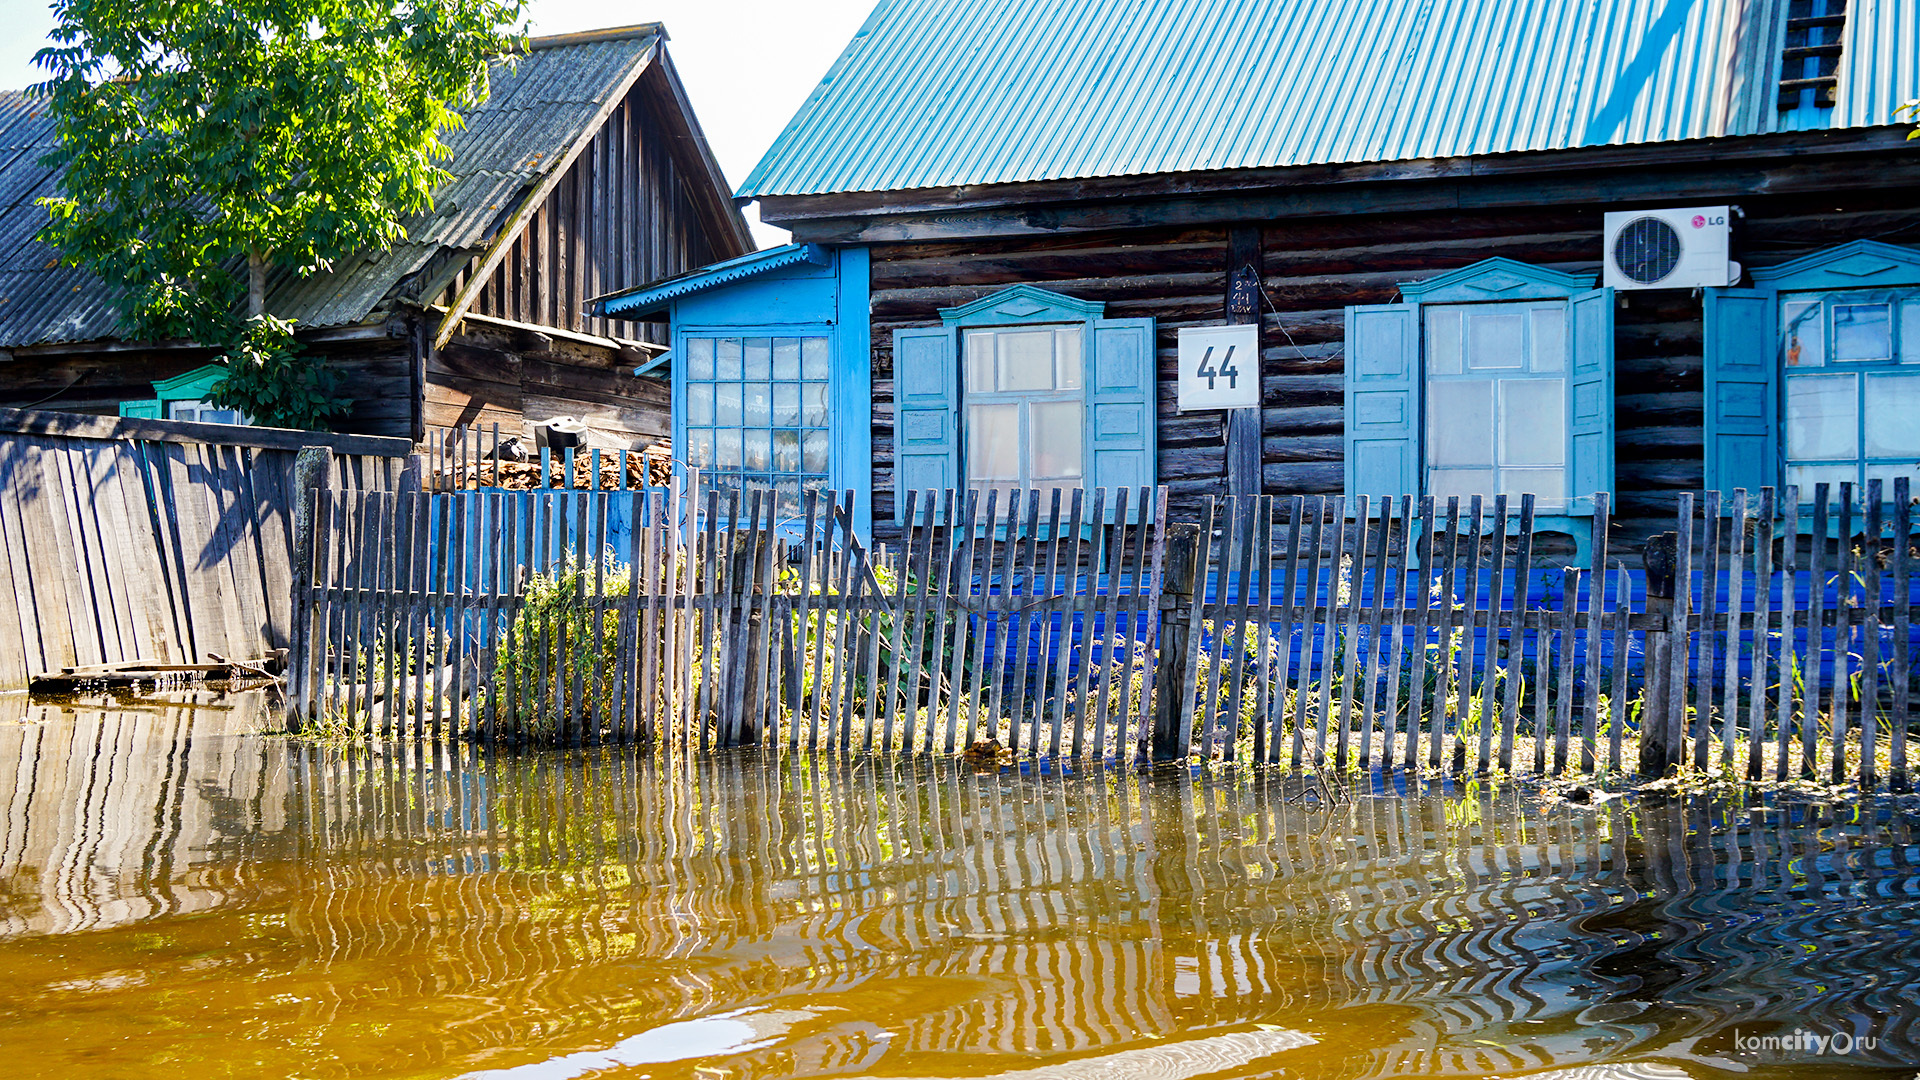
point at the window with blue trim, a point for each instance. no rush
(1813, 375)
(1493, 379)
(757, 412)
(1024, 390)
(1852, 386)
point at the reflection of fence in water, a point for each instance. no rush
(1132, 906)
(1089, 910)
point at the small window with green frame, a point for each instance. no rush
(184, 397)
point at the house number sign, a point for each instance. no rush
(1219, 367)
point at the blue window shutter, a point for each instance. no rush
(1591, 397)
(141, 410)
(926, 416)
(1743, 396)
(1383, 405)
(1123, 400)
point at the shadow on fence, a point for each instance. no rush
(1303, 632)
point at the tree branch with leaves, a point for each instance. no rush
(208, 143)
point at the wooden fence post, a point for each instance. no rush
(1172, 713)
(1657, 746)
(312, 472)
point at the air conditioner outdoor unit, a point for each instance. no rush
(1669, 249)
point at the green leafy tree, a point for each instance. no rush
(207, 142)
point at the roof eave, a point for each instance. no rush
(650, 299)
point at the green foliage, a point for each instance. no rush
(270, 380)
(560, 627)
(1912, 111)
(206, 142)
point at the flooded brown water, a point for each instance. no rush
(181, 896)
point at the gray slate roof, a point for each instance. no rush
(537, 111)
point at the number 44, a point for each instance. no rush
(1226, 370)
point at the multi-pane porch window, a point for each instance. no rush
(1496, 405)
(757, 412)
(1852, 368)
(1025, 406)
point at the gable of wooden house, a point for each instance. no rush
(584, 170)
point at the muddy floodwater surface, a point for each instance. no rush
(184, 896)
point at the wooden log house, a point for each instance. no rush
(1410, 200)
(584, 171)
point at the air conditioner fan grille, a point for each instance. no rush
(1647, 250)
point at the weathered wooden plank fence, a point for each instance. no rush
(153, 540)
(1300, 631)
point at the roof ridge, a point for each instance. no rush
(605, 33)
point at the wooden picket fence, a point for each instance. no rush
(1303, 632)
(153, 544)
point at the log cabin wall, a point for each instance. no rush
(1316, 265)
(373, 364)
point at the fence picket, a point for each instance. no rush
(1897, 779)
(1842, 635)
(1398, 645)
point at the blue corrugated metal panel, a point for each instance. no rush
(935, 93)
(536, 111)
(636, 302)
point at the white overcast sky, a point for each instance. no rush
(747, 63)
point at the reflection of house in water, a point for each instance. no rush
(919, 913)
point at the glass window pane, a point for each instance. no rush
(1893, 415)
(786, 403)
(1055, 450)
(1496, 341)
(1549, 339)
(726, 449)
(1462, 482)
(1547, 486)
(1533, 422)
(813, 358)
(979, 360)
(1806, 476)
(1066, 358)
(1910, 332)
(700, 358)
(813, 451)
(813, 404)
(1460, 423)
(758, 361)
(786, 451)
(699, 403)
(700, 448)
(786, 358)
(726, 404)
(993, 442)
(756, 450)
(1886, 474)
(1802, 332)
(726, 358)
(1863, 331)
(1443, 341)
(1025, 360)
(1822, 418)
(758, 410)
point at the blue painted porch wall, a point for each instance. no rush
(793, 298)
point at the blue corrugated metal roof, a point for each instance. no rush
(937, 93)
(633, 303)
